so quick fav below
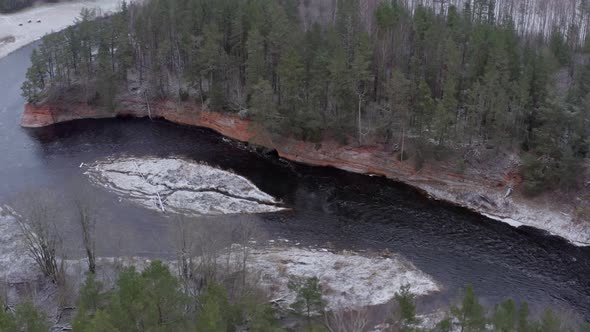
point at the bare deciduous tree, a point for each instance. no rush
(36, 215)
(184, 244)
(212, 251)
(197, 245)
(86, 218)
(346, 320)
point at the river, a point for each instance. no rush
(328, 207)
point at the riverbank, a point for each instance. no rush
(478, 187)
(349, 279)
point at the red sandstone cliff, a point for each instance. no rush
(478, 190)
(367, 159)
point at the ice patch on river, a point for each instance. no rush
(181, 186)
(348, 279)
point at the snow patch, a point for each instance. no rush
(181, 186)
(517, 213)
(53, 17)
(15, 264)
(348, 279)
(509, 221)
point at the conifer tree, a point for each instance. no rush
(470, 315)
(212, 315)
(309, 299)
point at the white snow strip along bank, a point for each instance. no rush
(554, 224)
(181, 186)
(517, 213)
(348, 279)
(509, 221)
(53, 17)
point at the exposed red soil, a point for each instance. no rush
(374, 159)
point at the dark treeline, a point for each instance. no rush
(7, 6)
(14, 5)
(571, 17)
(155, 300)
(413, 79)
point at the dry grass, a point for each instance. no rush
(339, 265)
(282, 269)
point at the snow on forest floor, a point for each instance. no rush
(53, 17)
(512, 211)
(181, 186)
(348, 279)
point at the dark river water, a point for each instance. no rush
(329, 207)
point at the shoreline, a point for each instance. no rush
(53, 17)
(484, 195)
(376, 278)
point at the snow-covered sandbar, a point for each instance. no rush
(53, 17)
(181, 186)
(348, 279)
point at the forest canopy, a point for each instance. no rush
(441, 75)
(155, 300)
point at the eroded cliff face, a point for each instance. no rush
(42, 115)
(480, 188)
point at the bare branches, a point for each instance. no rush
(184, 244)
(346, 320)
(212, 251)
(36, 215)
(86, 218)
